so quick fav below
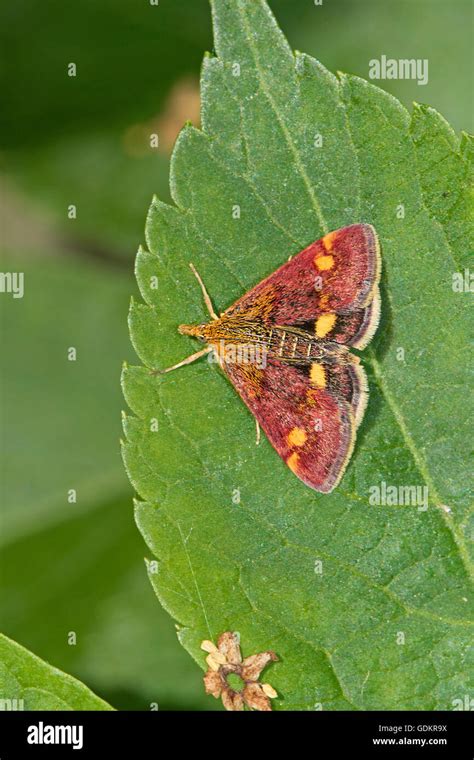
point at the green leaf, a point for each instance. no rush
(28, 683)
(387, 623)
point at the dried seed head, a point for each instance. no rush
(252, 666)
(208, 646)
(229, 646)
(236, 681)
(213, 664)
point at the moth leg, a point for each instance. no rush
(207, 299)
(257, 430)
(188, 360)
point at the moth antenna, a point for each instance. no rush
(207, 299)
(188, 360)
(257, 429)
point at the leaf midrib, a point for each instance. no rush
(284, 128)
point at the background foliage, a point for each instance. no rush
(35, 685)
(80, 567)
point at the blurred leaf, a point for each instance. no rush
(133, 647)
(127, 55)
(61, 421)
(125, 645)
(23, 676)
(250, 566)
(65, 566)
(95, 173)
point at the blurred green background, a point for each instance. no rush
(84, 140)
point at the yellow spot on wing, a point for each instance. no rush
(328, 240)
(292, 461)
(324, 324)
(296, 437)
(317, 375)
(324, 263)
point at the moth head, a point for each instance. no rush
(197, 331)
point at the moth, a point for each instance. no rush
(285, 344)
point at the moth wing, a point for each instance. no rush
(348, 381)
(352, 328)
(337, 274)
(310, 422)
